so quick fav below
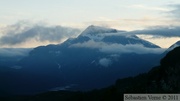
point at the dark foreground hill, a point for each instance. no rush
(161, 79)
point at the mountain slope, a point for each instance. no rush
(95, 59)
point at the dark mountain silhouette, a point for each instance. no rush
(161, 79)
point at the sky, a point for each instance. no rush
(72, 16)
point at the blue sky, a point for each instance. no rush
(119, 14)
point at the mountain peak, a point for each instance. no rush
(94, 30)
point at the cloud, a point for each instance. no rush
(141, 6)
(11, 52)
(22, 32)
(105, 62)
(164, 31)
(135, 48)
(89, 44)
(117, 48)
(174, 12)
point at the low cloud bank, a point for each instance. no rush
(118, 48)
(12, 52)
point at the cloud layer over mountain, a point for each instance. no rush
(117, 48)
(25, 34)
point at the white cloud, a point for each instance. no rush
(130, 48)
(23, 32)
(118, 48)
(166, 31)
(105, 62)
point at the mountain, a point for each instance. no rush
(95, 59)
(109, 35)
(164, 78)
(9, 56)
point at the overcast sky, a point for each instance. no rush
(120, 14)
